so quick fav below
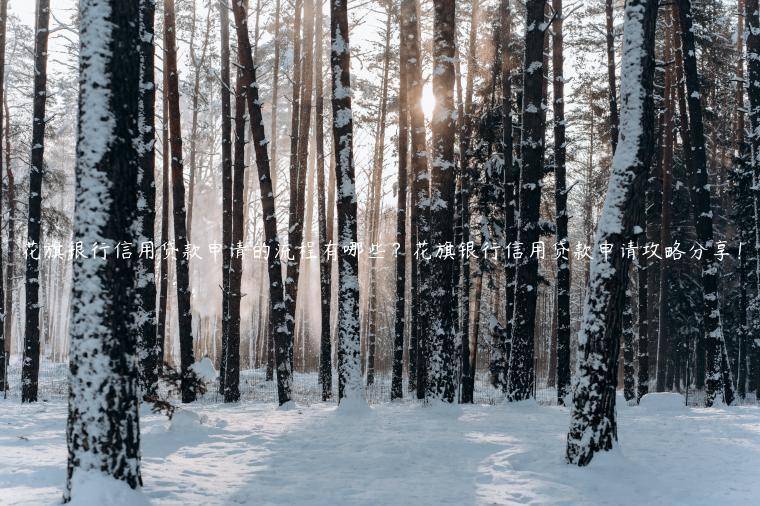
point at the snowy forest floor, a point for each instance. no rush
(402, 453)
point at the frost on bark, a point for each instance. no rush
(103, 431)
(442, 372)
(592, 426)
(149, 352)
(184, 310)
(4, 307)
(718, 378)
(752, 34)
(349, 361)
(521, 373)
(560, 197)
(31, 365)
(259, 140)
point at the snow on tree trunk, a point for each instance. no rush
(593, 427)
(560, 197)
(31, 365)
(103, 431)
(611, 80)
(521, 373)
(718, 374)
(4, 308)
(442, 372)
(276, 291)
(349, 360)
(184, 309)
(146, 279)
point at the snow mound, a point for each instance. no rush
(663, 401)
(184, 420)
(353, 407)
(288, 406)
(92, 487)
(204, 369)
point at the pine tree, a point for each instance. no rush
(226, 186)
(521, 373)
(4, 308)
(184, 309)
(593, 426)
(441, 384)
(349, 359)
(31, 366)
(278, 309)
(103, 431)
(718, 375)
(146, 280)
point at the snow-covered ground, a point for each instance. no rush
(254, 453)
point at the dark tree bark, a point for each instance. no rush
(442, 372)
(611, 80)
(4, 309)
(629, 383)
(325, 263)
(163, 299)
(752, 16)
(146, 281)
(349, 358)
(31, 365)
(226, 186)
(184, 309)
(277, 297)
(103, 432)
(593, 426)
(397, 390)
(718, 373)
(560, 197)
(232, 353)
(10, 268)
(409, 29)
(521, 373)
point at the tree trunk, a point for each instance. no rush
(148, 348)
(349, 359)
(752, 15)
(442, 374)
(4, 308)
(521, 373)
(103, 432)
(629, 384)
(184, 310)
(718, 375)
(275, 96)
(31, 366)
(277, 297)
(611, 81)
(593, 427)
(397, 390)
(163, 299)
(560, 197)
(325, 262)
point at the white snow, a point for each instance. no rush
(93, 487)
(204, 369)
(400, 453)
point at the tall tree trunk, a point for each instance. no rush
(276, 293)
(560, 197)
(628, 334)
(232, 352)
(752, 15)
(325, 263)
(146, 280)
(31, 366)
(227, 242)
(592, 426)
(663, 345)
(409, 28)
(349, 359)
(163, 299)
(275, 96)
(4, 308)
(611, 80)
(397, 390)
(184, 309)
(442, 374)
(103, 432)
(376, 204)
(718, 375)
(521, 373)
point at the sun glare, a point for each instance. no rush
(428, 101)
